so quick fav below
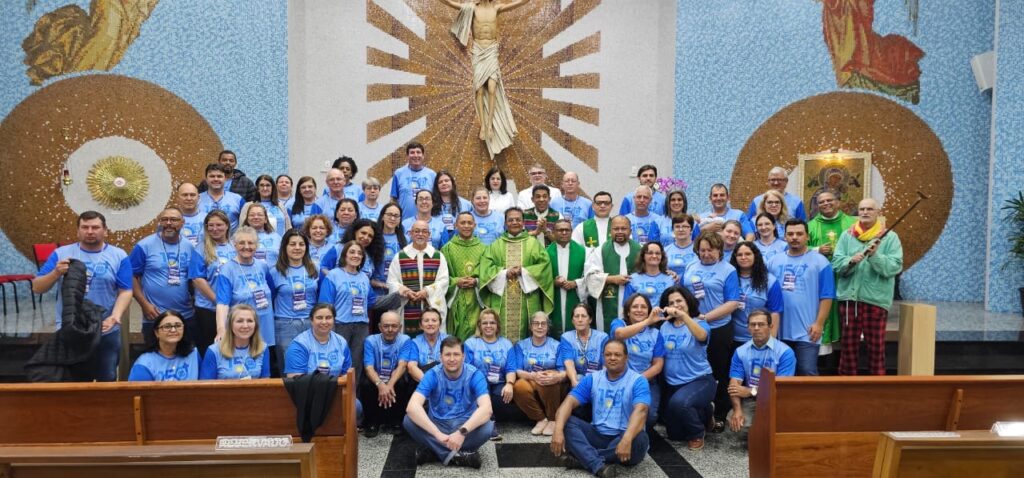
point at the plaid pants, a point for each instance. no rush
(858, 318)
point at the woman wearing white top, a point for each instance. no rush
(502, 197)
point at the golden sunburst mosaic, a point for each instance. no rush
(446, 98)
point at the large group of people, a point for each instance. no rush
(455, 312)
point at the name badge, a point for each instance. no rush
(493, 373)
(298, 294)
(789, 281)
(743, 301)
(259, 296)
(358, 303)
(385, 370)
(173, 272)
(261, 254)
(698, 288)
(88, 280)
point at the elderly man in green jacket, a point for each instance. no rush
(866, 261)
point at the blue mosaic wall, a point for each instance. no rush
(1005, 274)
(739, 63)
(226, 58)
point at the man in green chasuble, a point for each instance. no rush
(567, 260)
(607, 270)
(463, 254)
(516, 271)
(824, 231)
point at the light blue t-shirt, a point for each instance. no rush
(230, 203)
(452, 399)
(770, 250)
(277, 213)
(307, 210)
(448, 215)
(647, 228)
(329, 261)
(679, 258)
(249, 284)
(805, 280)
(225, 253)
(532, 358)
(328, 204)
(647, 285)
(657, 204)
(613, 400)
(576, 211)
(438, 230)
(371, 213)
(686, 359)
(306, 355)
(406, 182)
(383, 356)
(748, 361)
(316, 253)
(164, 272)
(295, 292)
(712, 285)
(268, 246)
(489, 227)
(154, 367)
(491, 358)
(644, 347)
(746, 227)
(194, 230)
(216, 366)
(419, 350)
(751, 299)
(391, 248)
(108, 272)
(351, 295)
(668, 235)
(587, 357)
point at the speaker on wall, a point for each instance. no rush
(984, 66)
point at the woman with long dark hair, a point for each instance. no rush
(348, 289)
(295, 280)
(502, 197)
(304, 203)
(689, 383)
(170, 355)
(766, 238)
(759, 289)
(646, 346)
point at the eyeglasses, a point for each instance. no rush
(421, 231)
(170, 327)
(170, 219)
(536, 173)
(539, 324)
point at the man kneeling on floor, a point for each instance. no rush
(458, 420)
(615, 435)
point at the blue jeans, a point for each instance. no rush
(688, 408)
(106, 356)
(594, 450)
(285, 331)
(506, 412)
(652, 411)
(354, 334)
(472, 443)
(806, 356)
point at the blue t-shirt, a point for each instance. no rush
(329, 261)
(438, 230)
(452, 399)
(769, 251)
(275, 215)
(576, 211)
(391, 248)
(164, 272)
(613, 400)
(230, 203)
(489, 227)
(657, 204)
(644, 347)
(686, 359)
(647, 228)
(712, 285)
(586, 357)
(225, 253)
(316, 253)
(647, 285)
(746, 227)
(154, 367)
(679, 258)
(748, 361)
(406, 182)
(794, 205)
(108, 272)
(351, 295)
(448, 215)
(306, 355)
(805, 280)
(268, 246)
(532, 358)
(668, 235)
(295, 292)
(371, 213)
(298, 220)
(249, 284)
(194, 230)
(383, 356)
(750, 299)
(490, 358)
(216, 366)
(328, 204)
(419, 350)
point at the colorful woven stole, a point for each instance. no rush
(412, 278)
(513, 292)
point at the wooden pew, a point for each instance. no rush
(150, 413)
(830, 426)
(972, 453)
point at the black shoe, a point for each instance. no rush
(468, 460)
(425, 455)
(396, 430)
(371, 431)
(569, 462)
(712, 423)
(608, 471)
(719, 426)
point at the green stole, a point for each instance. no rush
(610, 261)
(577, 256)
(590, 234)
(463, 258)
(819, 230)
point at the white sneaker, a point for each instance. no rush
(549, 430)
(539, 427)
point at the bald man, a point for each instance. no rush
(866, 263)
(419, 274)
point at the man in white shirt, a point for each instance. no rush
(538, 176)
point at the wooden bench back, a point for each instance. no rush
(810, 426)
(162, 412)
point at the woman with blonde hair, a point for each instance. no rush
(241, 354)
(774, 203)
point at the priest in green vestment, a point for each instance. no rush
(594, 232)
(516, 271)
(567, 259)
(607, 271)
(463, 254)
(824, 230)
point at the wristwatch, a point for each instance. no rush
(753, 391)
(464, 431)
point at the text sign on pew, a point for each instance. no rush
(254, 442)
